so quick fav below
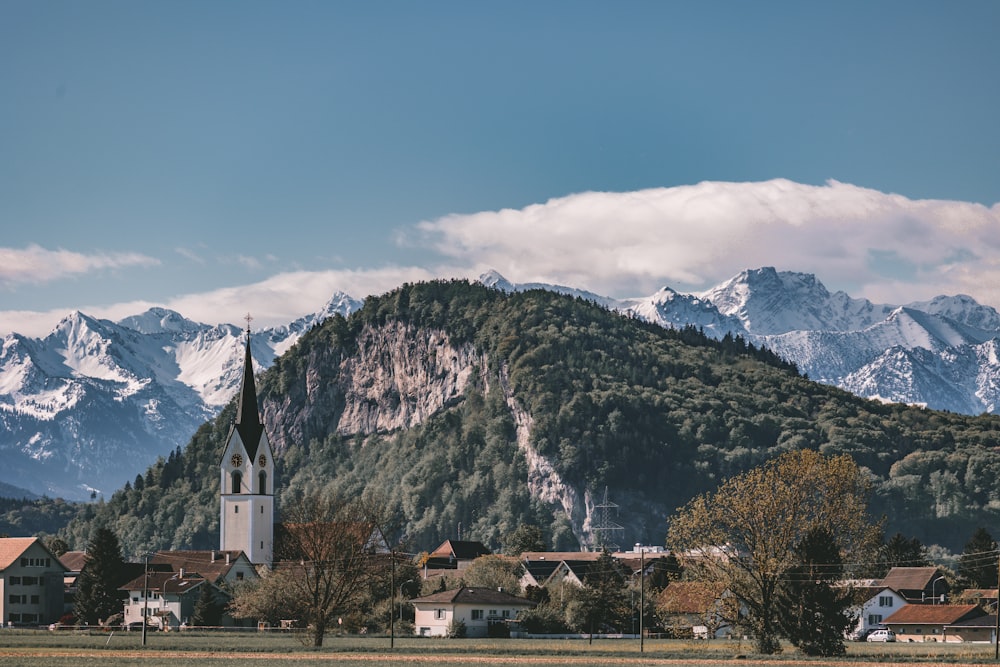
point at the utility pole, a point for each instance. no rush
(996, 630)
(145, 597)
(642, 594)
(392, 601)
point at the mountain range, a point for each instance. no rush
(87, 407)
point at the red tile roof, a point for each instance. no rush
(932, 614)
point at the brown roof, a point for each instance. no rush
(210, 564)
(932, 614)
(73, 560)
(472, 595)
(910, 578)
(460, 549)
(11, 549)
(560, 555)
(164, 582)
(690, 597)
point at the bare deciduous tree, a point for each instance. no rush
(744, 534)
(329, 554)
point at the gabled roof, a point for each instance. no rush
(73, 560)
(167, 583)
(984, 621)
(11, 549)
(248, 422)
(933, 614)
(907, 579)
(210, 564)
(460, 550)
(473, 595)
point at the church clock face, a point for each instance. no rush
(236, 460)
(262, 461)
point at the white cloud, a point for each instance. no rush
(870, 243)
(36, 264)
(885, 247)
(274, 301)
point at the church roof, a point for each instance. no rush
(248, 423)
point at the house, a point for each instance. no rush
(933, 622)
(917, 584)
(539, 566)
(694, 608)
(218, 567)
(877, 605)
(455, 555)
(31, 582)
(484, 611)
(73, 560)
(168, 599)
(976, 629)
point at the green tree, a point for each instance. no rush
(526, 537)
(495, 571)
(744, 534)
(900, 551)
(602, 604)
(207, 610)
(97, 595)
(815, 614)
(978, 563)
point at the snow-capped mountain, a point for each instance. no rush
(94, 402)
(941, 353)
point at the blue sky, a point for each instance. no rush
(224, 157)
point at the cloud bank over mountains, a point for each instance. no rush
(884, 247)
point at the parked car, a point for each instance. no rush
(881, 636)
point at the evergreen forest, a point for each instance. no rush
(654, 416)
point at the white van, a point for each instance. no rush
(881, 636)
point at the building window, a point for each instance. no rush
(236, 509)
(15, 581)
(29, 618)
(36, 562)
(885, 601)
(262, 483)
(14, 618)
(34, 599)
(439, 614)
(237, 481)
(18, 599)
(506, 613)
(29, 581)
(874, 619)
(477, 614)
(239, 576)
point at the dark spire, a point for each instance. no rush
(248, 422)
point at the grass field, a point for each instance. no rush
(196, 649)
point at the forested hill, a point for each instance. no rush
(473, 411)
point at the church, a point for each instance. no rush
(246, 487)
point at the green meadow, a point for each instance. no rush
(204, 649)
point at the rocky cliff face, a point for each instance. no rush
(399, 377)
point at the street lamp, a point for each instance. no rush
(933, 584)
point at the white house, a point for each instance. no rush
(481, 609)
(167, 599)
(31, 582)
(875, 609)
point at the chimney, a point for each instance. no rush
(180, 574)
(227, 558)
(213, 555)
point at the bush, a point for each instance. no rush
(456, 629)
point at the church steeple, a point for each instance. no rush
(247, 413)
(246, 482)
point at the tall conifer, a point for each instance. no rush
(97, 595)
